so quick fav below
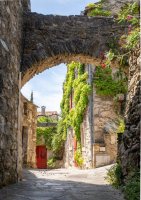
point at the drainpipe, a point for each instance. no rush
(90, 115)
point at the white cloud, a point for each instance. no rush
(26, 90)
(51, 102)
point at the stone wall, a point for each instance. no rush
(105, 141)
(28, 132)
(86, 141)
(11, 23)
(129, 142)
(10, 57)
(69, 149)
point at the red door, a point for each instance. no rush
(41, 157)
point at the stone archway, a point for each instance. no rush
(50, 40)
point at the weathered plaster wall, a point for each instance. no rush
(129, 142)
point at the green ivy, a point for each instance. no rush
(97, 10)
(78, 156)
(129, 13)
(121, 127)
(131, 188)
(46, 135)
(106, 85)
(115, 176)
(121, 50)
(59, 138)
(51, 163)
(132, 39)
(76, 83)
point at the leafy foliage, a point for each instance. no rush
(114, 176)
(52, 137)
(97, 10)
(132, 187)
(130, 14)
(121, 126)
(106, 85)
(132, 39)
(51, 163)
(46, 135)
(78, 156)
(76, 84)
(59, 139)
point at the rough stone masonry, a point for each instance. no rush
(11, 19)
(129, 143)
(50, 40)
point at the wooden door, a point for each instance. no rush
(41, 157)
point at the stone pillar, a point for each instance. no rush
(87, 128)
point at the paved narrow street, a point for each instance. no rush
(62, 184)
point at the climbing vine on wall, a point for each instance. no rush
(76, 85)
(129, 14)
(51, 137)
(46, 135)
(78, 156)
(107, 84)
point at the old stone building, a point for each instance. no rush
(98, 131)
(28, 132)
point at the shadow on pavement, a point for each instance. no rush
(50, 188)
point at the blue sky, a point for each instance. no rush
(59, 7)
(47, 86)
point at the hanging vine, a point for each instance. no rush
(76, 83)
